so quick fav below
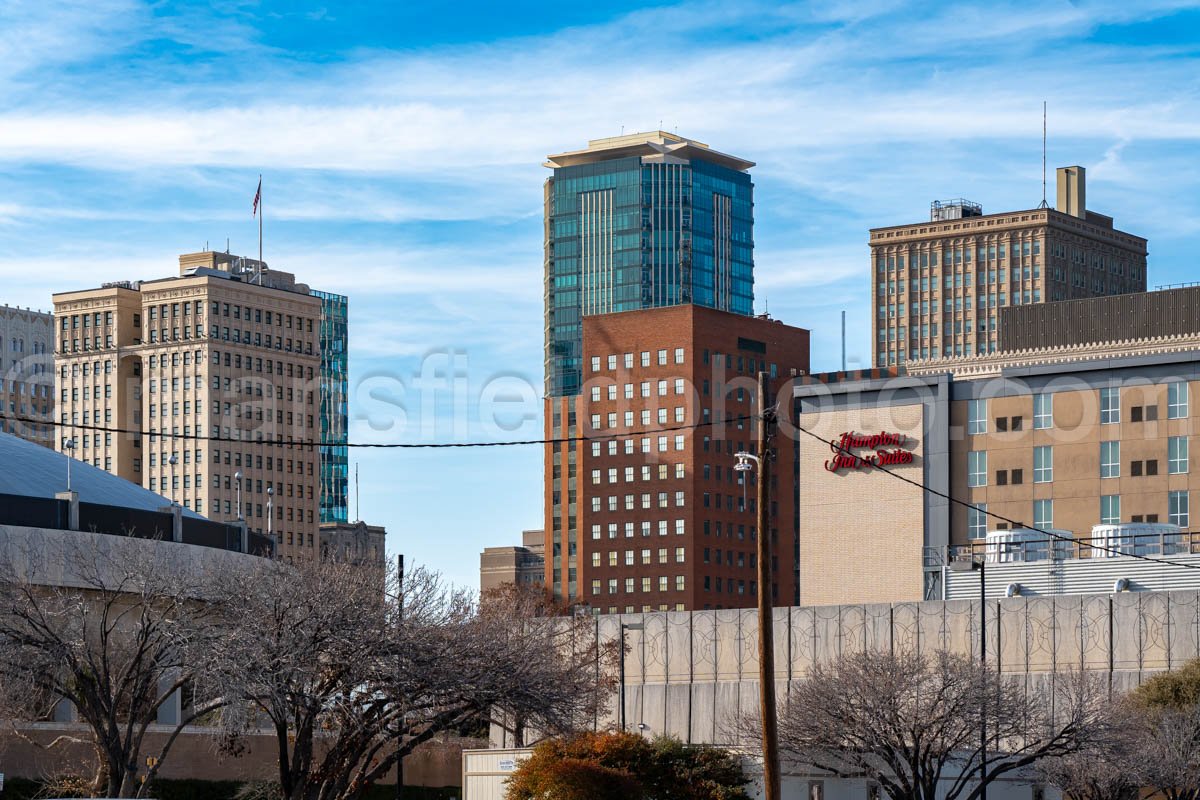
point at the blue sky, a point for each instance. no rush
(401, 145)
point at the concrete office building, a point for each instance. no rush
(937, 286)
(647, 513)
(519, 566)
(224, 358)
(27, 374)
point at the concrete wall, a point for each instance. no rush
(691, 674)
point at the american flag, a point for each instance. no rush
(257, 197)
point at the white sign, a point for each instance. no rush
(507, 765)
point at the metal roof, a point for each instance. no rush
(31, 470)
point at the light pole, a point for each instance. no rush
(69, 448)
(625, 626)
(772, 789)
(237, 476)
(270, 516)
(173, 460)
(971, 565)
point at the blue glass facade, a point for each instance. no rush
(625, 234)
(335, 374)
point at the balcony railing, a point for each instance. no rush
(1154, 545)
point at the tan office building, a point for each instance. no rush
(202, 387)
(27, 374)
(520, 566)
(937, 286)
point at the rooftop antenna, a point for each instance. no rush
(226, 245)
(843, 340)
(357, 513)
(622, 130)
(1043, 205)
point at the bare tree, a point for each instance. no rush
(912, 722)
(1167, 754)
(351, 679)
(116, 637)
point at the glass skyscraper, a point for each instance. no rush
(334, 459)
(642, 221)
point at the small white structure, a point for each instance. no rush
(1137, 539)
(1026, 544)
(485, 772)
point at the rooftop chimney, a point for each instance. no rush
(1072, 191)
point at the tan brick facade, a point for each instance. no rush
(861, 533)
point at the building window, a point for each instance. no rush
(1110, 459)
(976, 416)
(1043, 464)
(1110, 406)
(1110, 509)
(678, 355)
(1043, 411)
(1177, 509)
(977, 468)
(1177, 400)
(977, 521)
(1043, 514)
(1177, 455)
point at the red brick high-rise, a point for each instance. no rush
(655, 517)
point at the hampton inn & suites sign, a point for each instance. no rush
(860, 451)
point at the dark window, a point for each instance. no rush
(1002, 477)
(1135, 414)
(1018, 476)
(1002, 424)
(1135, 469)
(1151, 413)
(1137, 518)
(1152, 518)
(1015, 424)
(1152, 466)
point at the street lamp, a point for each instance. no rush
(270, 516)
(237, 476)
(173, 460)
(69, 447)
(971, 565)
(625, 626)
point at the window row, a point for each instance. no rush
(627, 359)
(648, 584)
(1178, 513)
(1110, 464)
(645, 527)
(1110, 410)
(615, 560)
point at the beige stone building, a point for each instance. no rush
(522, 566)
(354, 542)
(937, 286)
(27, 374)
(202, 387)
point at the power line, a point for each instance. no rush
(310, 443)
(837, 448)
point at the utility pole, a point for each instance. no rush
(766, 616)
(400, 619)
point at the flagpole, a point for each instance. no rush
(260, 216)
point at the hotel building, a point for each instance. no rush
(647, 512)
(205, 387)
(938, 286)
(1092, 427)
